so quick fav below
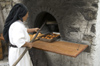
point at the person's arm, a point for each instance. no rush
(32, 30)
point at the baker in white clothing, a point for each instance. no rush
(16, 34)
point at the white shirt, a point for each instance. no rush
(18, 35)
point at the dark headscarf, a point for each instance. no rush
(17, 13)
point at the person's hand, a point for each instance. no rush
(30, 45)
(36, 29)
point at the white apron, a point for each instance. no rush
(18, 35)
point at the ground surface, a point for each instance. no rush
(4, 62)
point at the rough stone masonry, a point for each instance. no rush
(76, 20)
(81, 23)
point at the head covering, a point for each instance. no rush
(17, 13)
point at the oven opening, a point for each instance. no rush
(50, 23)
(50, 31)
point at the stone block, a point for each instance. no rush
(7, 0)
(1, 0)
(93, 28)
(17, 1)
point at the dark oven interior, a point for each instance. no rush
(50, 23)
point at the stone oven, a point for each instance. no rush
(76, 20)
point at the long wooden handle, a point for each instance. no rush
(37, 33)
(27, 48)
(20, 57)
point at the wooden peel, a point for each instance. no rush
(27, 48)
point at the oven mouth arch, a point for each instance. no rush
(49, 18)
(42, 17)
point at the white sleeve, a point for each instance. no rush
(18, 35)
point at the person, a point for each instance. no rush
(16, 34)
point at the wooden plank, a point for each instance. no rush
(1, 56)
(0, 43)
(1, 53)
(0, 50)
(1, 37)
(61, 47)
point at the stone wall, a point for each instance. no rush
(96, 45)
(75, 26)
(76, 20)
(5, 7)
(3, 13)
